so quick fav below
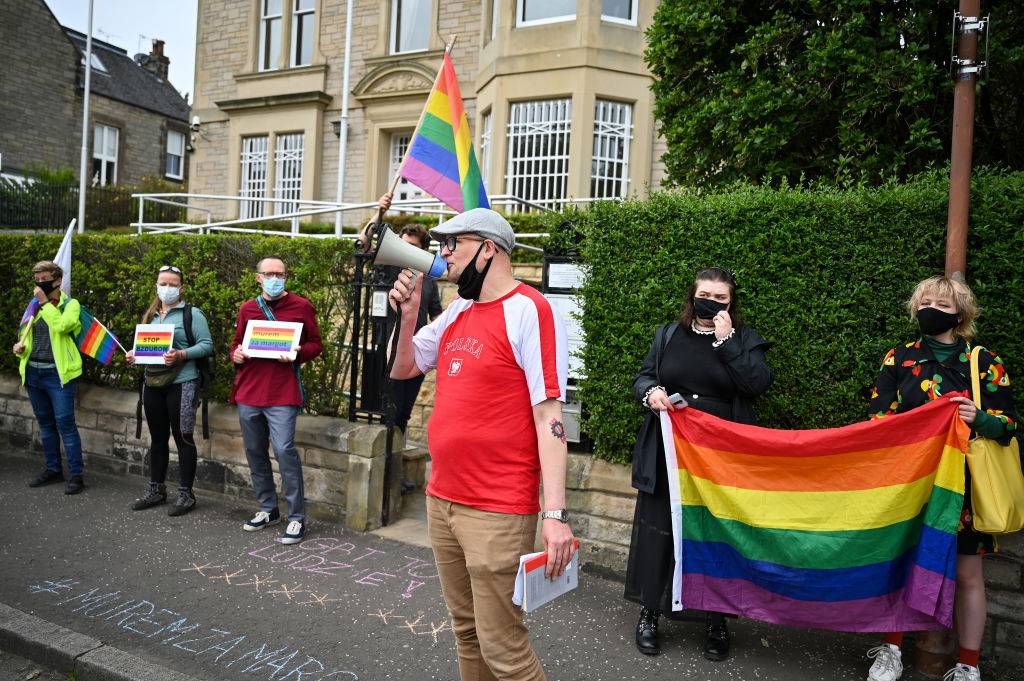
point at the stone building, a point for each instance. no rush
(556, 92)
(138, 121)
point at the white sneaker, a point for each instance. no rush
(888, 664)
(261, 520)
(963, 672)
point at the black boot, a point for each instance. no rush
(647, 632)
(716, 646)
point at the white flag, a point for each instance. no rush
(63, 258)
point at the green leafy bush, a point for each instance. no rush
(115, 277)
(823, 274)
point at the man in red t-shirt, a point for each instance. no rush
(494, 435)
(268, 393)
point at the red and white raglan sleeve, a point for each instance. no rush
(538, 338)
(427, 340)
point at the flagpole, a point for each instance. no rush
(416, 130)
(85, 124)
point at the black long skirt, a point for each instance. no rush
(651, 554)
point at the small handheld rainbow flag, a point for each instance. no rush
(30, 312)
(95, 339)
(440, 159)
(849, 529)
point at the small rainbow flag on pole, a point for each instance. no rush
(849, 529)
(440, 159)
(95, 339)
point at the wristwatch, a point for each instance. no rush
(561, 515)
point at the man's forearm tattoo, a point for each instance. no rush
(558, 430)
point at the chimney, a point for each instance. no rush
(157, 62)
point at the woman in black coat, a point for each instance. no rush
(718, 365)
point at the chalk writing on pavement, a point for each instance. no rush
(143, 618)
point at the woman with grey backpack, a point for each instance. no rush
(171, 392)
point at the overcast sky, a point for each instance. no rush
(121, 22)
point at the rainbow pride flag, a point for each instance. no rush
(440, 159)
(95, 339)
(849, 529)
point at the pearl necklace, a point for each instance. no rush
(696, 329)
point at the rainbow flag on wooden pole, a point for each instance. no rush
(849, 529)
(95, 340)
(440, 158)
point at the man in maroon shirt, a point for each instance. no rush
(269, 396)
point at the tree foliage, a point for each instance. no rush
(844, 91)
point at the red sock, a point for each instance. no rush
(895, 638)
(968, 656)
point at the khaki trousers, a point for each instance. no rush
(477, 554)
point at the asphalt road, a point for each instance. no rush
(199, 595)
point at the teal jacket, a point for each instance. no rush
(201, 332)
(64, 324)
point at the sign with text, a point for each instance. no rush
(264, 338)
(152, 341)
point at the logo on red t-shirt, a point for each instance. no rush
(455, 367)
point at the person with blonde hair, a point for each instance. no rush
(50, 366)
(171, 392)
(913, 374)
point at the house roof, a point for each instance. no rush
(126, 81)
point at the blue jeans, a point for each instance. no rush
(276, 426)
(54, 407)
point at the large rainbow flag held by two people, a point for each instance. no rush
(849, 529)
(440, 159)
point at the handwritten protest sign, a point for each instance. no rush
(268, 339)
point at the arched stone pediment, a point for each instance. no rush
(395, 79)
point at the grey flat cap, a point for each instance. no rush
(483, 221)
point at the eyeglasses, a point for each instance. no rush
(169, 268)
(451, 242)
(274, 275)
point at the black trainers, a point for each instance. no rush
(75, 485)
(185, 502)
(47, 477)
(154, 495)
(261, 520)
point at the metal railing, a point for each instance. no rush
(299, 210)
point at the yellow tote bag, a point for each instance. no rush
(997, 483)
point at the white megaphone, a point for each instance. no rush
(393, 250)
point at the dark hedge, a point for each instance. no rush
(823, 274)
(115, 277)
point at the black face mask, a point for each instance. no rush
(706, 308)
(935, 322)
(46, 286)
(470, 281)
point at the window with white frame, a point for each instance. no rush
(104, 155)
(303, 16)
(270, 34)
(494, 18)
(399, 146)
(532, 12)
(254, 176)
(175, 158)
(538, 150)
(288, 171)
(619, 11)
(613, 130)
(410, 25)
(485, 146)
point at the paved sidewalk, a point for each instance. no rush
(14, 668)
(198, 595)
